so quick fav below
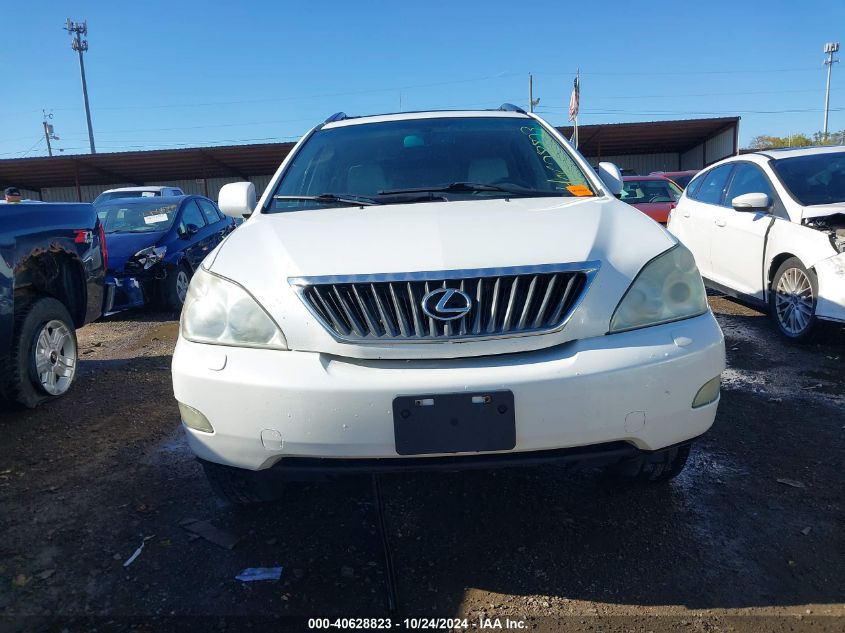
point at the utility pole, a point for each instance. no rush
(531, 100)
(49, 134)
(76, 31)
(829, 48)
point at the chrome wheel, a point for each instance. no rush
(55, 357)
(182, 282)
(794, 301)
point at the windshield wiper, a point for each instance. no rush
(343, 198)
(471, 187)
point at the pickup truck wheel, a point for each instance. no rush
(654, 468)
(176, 287)
(238, 486)
(43, 359)
(793, 301)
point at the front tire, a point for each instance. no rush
(44, 354)
(176, 287)
(237, 486)
(656, 467)
(793, 301)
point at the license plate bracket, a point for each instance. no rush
(454, 423)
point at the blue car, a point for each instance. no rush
(154, 246)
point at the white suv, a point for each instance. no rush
(442, 289)
(769, 228)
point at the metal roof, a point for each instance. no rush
(245, 161)
(139, 167)
(614, 139)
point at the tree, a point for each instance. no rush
(768, 142)
(765, 141)
(833, 138)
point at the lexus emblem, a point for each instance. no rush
(446, 304)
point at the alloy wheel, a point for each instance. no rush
(182, 282)
(794, 301)
(55, 357)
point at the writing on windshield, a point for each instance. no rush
(137, 217)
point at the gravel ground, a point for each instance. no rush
(85, 480)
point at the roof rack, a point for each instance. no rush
(509, 107)
(337, 116)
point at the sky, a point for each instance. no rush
(189, 73)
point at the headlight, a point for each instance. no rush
(220, 312)
(668, 288)
(151, 255)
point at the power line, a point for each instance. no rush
(687, 72)
(296, 97)
(708, 94)
(699, 112)
(36, 144)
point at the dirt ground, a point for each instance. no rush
(725, 547)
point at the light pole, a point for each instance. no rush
(830, 48)
(76, 31)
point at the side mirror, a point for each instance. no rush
(190, 230)
(611, 176)
(751, 203)
(237, 199)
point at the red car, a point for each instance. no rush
(655, 196)
(680, 178)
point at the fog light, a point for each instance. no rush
(194, 419)
(708, 393)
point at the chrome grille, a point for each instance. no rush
(388, 307)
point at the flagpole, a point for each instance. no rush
(578, 80)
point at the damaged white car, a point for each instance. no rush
(769, 229)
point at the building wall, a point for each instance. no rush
(714, 149)
(693, 158)
(641, 164)
(719, 147)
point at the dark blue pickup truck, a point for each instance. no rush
(52, 266)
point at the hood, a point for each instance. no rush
(269, 249)
(122, 246)
(822, 210)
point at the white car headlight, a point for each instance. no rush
(668, 288)
(218, 311)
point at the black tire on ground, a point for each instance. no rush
(794, 314)
(240, 487)
(174, 290)
(19, 380)
(655, 467)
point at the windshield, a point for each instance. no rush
(136, 216)
(815, 178)
(484, 156)
(645, 191)
(114, 195)
(682, 180)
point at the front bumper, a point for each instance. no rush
(123, 292)
(132, 288)
(635, 387)
(831, 276)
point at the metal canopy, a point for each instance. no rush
(239, 161)
(653, 137)
(244, 161)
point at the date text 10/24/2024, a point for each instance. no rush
(436, 624)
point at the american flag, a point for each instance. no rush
(575, 99)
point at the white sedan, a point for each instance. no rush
(769, 228)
